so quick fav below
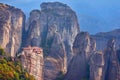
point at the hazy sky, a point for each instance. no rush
(107, 10)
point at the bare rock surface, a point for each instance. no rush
(43, 24)
(56, 62)
(53, 28)
(111, 69)
(96, 66)
(11, 22)
(83, 47)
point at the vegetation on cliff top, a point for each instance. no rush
(12, 70)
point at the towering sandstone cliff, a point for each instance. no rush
(83, 47)
(106, 65)
(55, 63)
(53, 28)
(112, 62)
(52, 18)
(96, 66)
(66, 51)
(11, 23)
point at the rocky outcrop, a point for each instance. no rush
(43, 24)
(54, 28)
(103, 37)
(32, 61)
(96, 66)
(11, 23)
(83, 47)
(111, 70)
(56, 64)
(66, 51)
(106, 65)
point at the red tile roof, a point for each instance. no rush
(35, 49)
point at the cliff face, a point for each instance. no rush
(56, 62)
(54, 28)
(53, 17)
(106, 65)
(96, 66)
(11, 23)
(32, 61)
(111, 70)
(79, 67)
(66, 51)
(99, 65)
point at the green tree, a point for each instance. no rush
(1, 51)
(12, 70)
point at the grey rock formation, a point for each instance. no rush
(56, 62)
(53, 17)
(83, 47)
(111, 70)
(53, 28)
(96, 66)
(11, 23)
(103, 37)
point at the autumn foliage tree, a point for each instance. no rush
(12, 70)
